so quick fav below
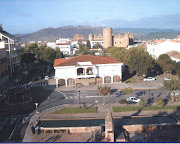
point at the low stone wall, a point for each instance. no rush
(149, 127)
(70, 129)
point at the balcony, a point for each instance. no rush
(85, 73)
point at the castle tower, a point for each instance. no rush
(107, 37)
(90, 37)
(109, 127)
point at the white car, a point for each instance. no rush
(46, 78)
(133, 100)
(167, 79)
(149, 79)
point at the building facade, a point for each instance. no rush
(11, 45)
(3, 66)
(158, 47)
(108, 39)
(87, 70)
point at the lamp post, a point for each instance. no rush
(149, 96)
(96, 102)
(79, 100)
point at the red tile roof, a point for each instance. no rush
(63, 44)
(84, 58)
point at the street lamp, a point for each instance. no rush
(149, 96)
(96, 102)
(79, 100)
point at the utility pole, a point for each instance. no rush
(79, 100)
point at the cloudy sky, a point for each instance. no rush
(24, 16)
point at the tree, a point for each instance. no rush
(160, 102)
(88, 45)
(58, 53)
(97, 45)
(139, 61)
(104, 91)
(177, 68)
(127, 91)
(142, 101)
(123, 101)
(172, 86)
(166, 63)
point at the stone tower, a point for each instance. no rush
(109, 127)
(107, 37)
(90, 37)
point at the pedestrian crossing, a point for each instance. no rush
(42, 84)
(73, 97)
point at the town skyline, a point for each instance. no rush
(29, 16)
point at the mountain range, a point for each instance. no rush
(51, 34)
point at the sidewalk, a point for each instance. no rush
(119, 86)
(102, 112)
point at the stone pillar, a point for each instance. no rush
(56, 82)
(109, 127)
(66, 80)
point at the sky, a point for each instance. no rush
(26, 16)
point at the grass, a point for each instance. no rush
(136, 108)
(130, 80)
(73, 110)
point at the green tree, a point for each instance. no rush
(142, 101)
(139, 61)
(166, 63)
(88, 44)
(172, 86)
(58, 53)
(123, 101)
(104, 91)
(97, 45)
(28, 58)
(160, 102)
(127, 91)
(177, 68)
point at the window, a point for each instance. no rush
(89, 71)
(107, 79)
(116, 78)
(99, 80)
(70, 82)
(80, 71)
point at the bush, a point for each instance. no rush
(142, 101)
(123, 101)
(160, 102)
(104, 90)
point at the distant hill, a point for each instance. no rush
(51, 34)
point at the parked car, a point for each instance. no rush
(149, 79)
(167, 79)
(176, 95)
(133, 99)
(46, 78)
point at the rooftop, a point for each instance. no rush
(84, 58)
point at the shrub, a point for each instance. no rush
(160, 102)
(123, 101)
(142, 101)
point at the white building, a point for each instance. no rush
(51, 45)
(93, 43)
(65, 48)
(8, 42)
(63, 40)
(158, 47)
(87, 70)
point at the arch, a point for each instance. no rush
(116, 78)
(70, 82)
(107, 79)
(89, 71)
(99, 80)
(80, 71)
(61, 82)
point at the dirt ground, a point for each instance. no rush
(62, 137)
